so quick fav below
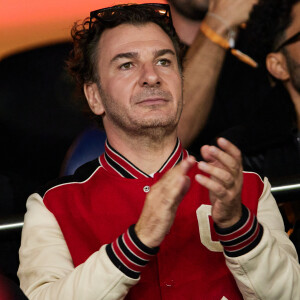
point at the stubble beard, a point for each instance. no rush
(155, 128)
(294, 71)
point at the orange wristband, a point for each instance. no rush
(213, 36)
(219, 40)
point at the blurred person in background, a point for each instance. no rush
(220, 90)
(270, 143)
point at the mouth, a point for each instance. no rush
(153, 101)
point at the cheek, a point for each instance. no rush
(296, 53)
(117, 89)
(121, 85)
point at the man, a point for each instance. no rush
(219, 89)
(275, 27)
(78, 240)
(270, 144)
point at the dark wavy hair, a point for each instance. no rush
(266, 27)
(83, 57)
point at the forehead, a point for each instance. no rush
(128, 38)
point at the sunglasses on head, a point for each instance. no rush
(101, 14)
(293, 39)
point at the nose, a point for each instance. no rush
(149, 76)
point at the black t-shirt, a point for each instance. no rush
(240, 92)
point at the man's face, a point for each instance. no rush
(140, 83)
(292, 51)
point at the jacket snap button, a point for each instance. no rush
(146, 188)
(169, 283)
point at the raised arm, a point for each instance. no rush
(203, 64)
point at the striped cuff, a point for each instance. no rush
(129, 254)
(242, 237)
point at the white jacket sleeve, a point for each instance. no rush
(46, 269)
(270, 270)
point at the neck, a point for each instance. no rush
(145, 152)
(295, 96)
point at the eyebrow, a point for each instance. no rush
(132, 55)
(163, 52)
(124, 55)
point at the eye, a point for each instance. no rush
(164, 62)
(126, 66)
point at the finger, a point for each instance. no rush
(186, 164)
(172, 191)
(224, 160)
(181, 169)
(223, 176)
(206, 153)
(175, 183)
(213, 186)
(229, 148)
(182, 183)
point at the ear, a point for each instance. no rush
(276, 65)
(93, 97)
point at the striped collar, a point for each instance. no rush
(116, 163)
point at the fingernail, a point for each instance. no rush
(199, 177)
(222, 141)
(202, 165)
(184, 164)
(190, 159)
(213, 150)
